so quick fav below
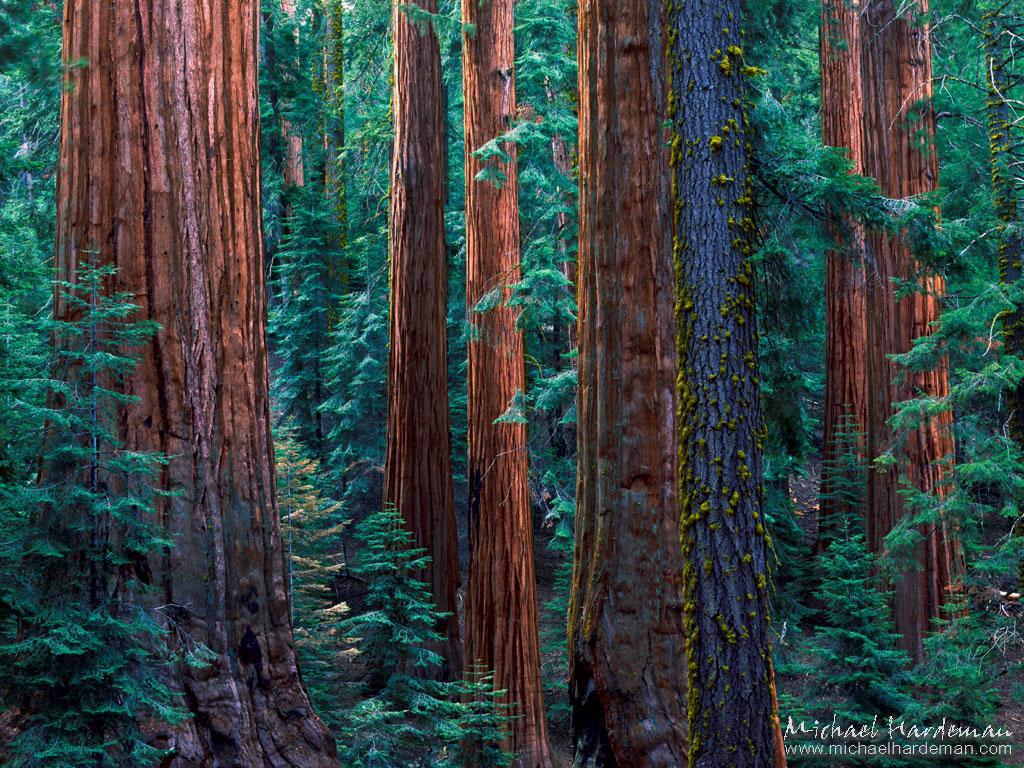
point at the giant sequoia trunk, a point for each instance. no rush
(626, 650)
(501, 603)
(842, 116)
(418, 469)
(900, 154)
(725, 544)
(159, 175)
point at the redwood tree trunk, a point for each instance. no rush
(626, 651)
(159, 175)
(732, 712)
(900, 154)
(501, 604)
(418, 469)
(294, 167)
(842, 119)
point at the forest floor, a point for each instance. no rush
(1006, 646)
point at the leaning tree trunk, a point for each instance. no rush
(159, 175)
(501, 603)
(842, 116)
(418, 468)
(900, 154)
(626, 651)
(732, 712)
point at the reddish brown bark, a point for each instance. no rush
(900, 154)
(501, 602)
(294, 168)
(418, 470)
(842, 118)
(627, 676)
(159, 175)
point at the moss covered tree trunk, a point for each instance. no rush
(842, 123)
(900, 154)
(159, 175)
(501, 603)
(1004, 147)
(726, 576)
(418, 469)
(626, 651)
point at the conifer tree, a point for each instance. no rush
(80, 651)
(725, 542)
(404, 719)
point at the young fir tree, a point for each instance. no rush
(79, 656)
(312, 526)
(401, 719)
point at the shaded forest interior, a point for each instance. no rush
(533, 383)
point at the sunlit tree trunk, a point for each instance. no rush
(842, 118)
(418, 470)
(732, 711)
(900, 154)
(626, 650)
(159, 175)
(501, 603)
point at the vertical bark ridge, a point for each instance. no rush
(626, 647)
(418, 471)
(900, 154)
(845, 286)
(501, 603)
(732, 712)
(159, 176)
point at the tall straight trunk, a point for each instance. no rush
(162, 179)
(626, 649)
(502, 631)
(418, 468)
(294, 168)
(842, 123)
(1004, 137)
(900, 154)
(334, 163)
(732, 709)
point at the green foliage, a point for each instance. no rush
(313, 527)
(79, 654)
(404, 719)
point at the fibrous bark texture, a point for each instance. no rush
(732, 714)
(900, 154)
(626, 650)
(842, 118)
(159, 175)
(501, 603)
(418, 470)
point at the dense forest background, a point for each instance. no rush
(378, 626)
